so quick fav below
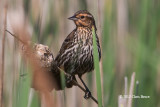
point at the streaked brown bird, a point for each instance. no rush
(76, 53)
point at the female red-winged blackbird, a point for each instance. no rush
(76, 53)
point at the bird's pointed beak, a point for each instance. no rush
(73, 18)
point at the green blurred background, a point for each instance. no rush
(129, 31)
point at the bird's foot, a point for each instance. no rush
(87, 94)
(69, 78)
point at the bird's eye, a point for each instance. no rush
(82, 17)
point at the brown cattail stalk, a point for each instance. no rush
(3, 55)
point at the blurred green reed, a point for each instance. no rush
(96, 65)
(63, 84)
(142, 45)
(21, 91)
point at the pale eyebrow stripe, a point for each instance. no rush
(86, 15)
(89, 15)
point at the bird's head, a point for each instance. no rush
(83, 18)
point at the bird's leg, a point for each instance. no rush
(87, 93)
(69, 78)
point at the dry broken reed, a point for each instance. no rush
(131, 90)
(126, 99)
(3, 56)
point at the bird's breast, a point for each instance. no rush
(83, 36)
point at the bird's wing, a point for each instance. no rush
(68, 43)
(99, 47)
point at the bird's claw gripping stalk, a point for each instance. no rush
(87, 94)
(69, 78)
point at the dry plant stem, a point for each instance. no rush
(125, 89)
(84, 91)
(3, 55)
(39, 24)
(123, 101)
(15, 37)
(46, 99)
(131, 90)
(31, 93)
